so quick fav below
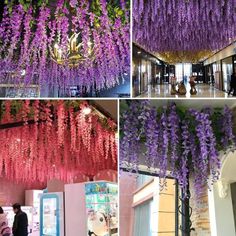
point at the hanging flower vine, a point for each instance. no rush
(74, 43)
(54, 137)
(175, 26)
(181, 143)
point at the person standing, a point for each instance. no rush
(20, 224)
(4, 229)
(233, 84)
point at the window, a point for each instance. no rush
(142, 219)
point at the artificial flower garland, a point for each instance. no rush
(28, 38)
(54, 139)
(179, 25)
(185, 142)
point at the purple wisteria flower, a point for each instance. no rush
(179, 25)
(182, 145)
(39, 45)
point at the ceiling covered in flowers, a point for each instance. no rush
(195, 27)
(63, 139)
(64, 43)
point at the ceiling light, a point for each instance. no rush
(139, 52)
(87, 110)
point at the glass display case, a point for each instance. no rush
(102, 208)
(92, 209)
(32, 198)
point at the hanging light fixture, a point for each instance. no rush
(74, 54)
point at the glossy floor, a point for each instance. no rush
(203, 90)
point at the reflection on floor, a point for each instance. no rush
(203, 90)
(122, 90)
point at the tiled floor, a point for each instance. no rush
(203, 90)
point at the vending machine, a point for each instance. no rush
(52, 214)
(92, 209)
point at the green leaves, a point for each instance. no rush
(26, 4)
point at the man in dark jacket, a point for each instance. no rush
(20, 225)
(233, 84)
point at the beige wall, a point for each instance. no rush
(166, 211)
(11, 193)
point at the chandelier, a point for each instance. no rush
(74, 55)
(73, 43)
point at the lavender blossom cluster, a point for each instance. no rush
(179, 145)
(27, 40)
(179, 25)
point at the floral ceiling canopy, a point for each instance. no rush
(41, 140)
(64, 43)
(170, 26)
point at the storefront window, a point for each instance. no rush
(234, 60)
(143, 179)
(227, 70)
(217, 75)
(155, 209)
(136, 76)
(142, 219)
(183, 71)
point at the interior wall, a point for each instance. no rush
(55, 185)
(227, 52)
(108, 175)
(127, 187)
(233, 196)
(11, 193)
(222, 217)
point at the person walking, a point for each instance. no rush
(233, 84)
(4, 228)
(20, 224)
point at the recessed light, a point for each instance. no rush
(139, 52)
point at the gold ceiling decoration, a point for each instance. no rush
(184, 56)
(73, 55)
